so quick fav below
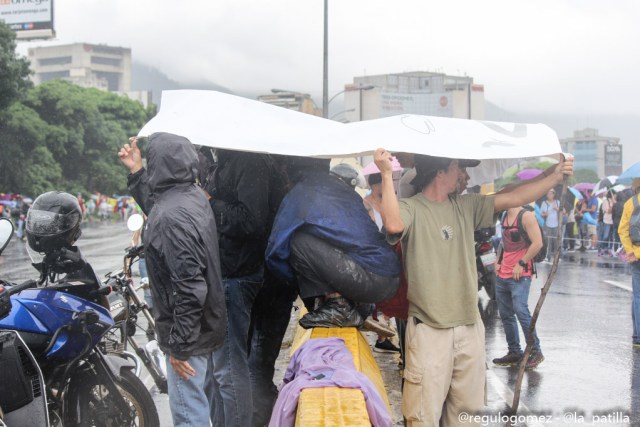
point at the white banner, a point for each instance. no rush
(220, 120)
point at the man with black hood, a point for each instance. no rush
(181, 250)
(244, 196)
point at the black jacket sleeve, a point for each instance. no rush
(138, 186)
(186, 261)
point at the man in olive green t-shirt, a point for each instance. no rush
(445, 360)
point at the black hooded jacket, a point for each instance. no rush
(245, 194)
(181, 249)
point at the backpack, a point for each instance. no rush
(542, 253)
(634, 222)
(618, 207)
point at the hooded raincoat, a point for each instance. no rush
(181, 249)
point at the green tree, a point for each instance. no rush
(14, 71)
(86, 128)
(22, 133)
(585, 175)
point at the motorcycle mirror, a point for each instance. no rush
(6, 231)
(135, 222)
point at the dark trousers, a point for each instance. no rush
(269, 321)
(569, 242)
(321, 269)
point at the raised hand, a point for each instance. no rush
(130, 155)
(382, 158)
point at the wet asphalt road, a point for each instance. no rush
(591, 373)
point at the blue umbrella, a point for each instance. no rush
(628, 175)
(576, 193)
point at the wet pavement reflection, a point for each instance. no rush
(585, 332)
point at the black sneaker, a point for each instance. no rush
(333, 313)
(385, 346)
(510, 359)
(535, 358)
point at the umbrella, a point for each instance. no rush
(576, 193)
(605, 184)
(629, 174)
(527, 174)
(584, 186)
(618, 188)
(372, 168)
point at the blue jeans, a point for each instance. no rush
(192, 401)
(231, 360)
(512, 296)
(19, 228)
(635, 301)
(552, 238)
(604, 233)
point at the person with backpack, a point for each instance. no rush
(629, 231)
(521, 242)
(549, 212)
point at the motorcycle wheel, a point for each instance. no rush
(98, 408)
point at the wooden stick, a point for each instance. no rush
(536, 312)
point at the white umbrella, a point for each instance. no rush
(605, 184)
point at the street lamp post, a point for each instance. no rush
(349, 89)
(350, 110)
(325, 69)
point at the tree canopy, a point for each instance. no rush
(59, 136)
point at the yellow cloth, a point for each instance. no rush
(623, 228)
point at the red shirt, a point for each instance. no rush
(514, 247)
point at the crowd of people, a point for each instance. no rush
(588, 222)
(233, 238)
(94, 207)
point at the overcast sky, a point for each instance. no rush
(574, 63)
(566, 56)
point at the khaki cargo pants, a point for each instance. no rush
(445, 374)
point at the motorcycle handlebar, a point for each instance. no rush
(22, 286)
(134, 251)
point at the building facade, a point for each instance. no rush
(419, 92)
(88, 65)
(292, 100)
(601, 154)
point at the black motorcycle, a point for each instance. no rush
(126, 306)
(486, 260)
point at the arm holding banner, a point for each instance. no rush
(390, 209)
(530, 191)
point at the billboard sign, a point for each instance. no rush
(612, 159)
(30, 19)
(430, 104)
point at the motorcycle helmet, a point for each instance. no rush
(348, 174)
(53, 222)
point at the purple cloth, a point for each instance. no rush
(325, 362)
